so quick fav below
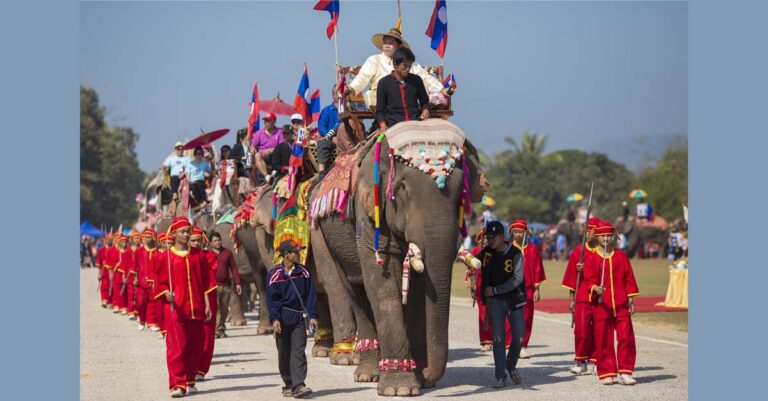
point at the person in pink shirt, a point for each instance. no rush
(265, 141)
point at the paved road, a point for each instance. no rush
(118, 362)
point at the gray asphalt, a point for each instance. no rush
(118, 362)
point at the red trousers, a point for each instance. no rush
(209, 329)
(120, 301)
(605, 325)
(104, 288)
(583, 332)
(486, 337)
(142, 299)
(528, 322)
(183, 343)
(154, 311)
(131, 298)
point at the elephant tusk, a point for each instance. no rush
(416, 260)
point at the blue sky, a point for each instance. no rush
(590, 75)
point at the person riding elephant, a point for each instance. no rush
(640, 231)
(366, 284)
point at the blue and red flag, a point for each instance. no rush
(332, 6)
(450, 82)
(300, 103)
(253, 116)
(314, 105)
(438, 28)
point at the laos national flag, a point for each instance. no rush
(314, 105)
(438, 28)
(253, 117)
(332, 6)
(300, 102)
(450, 82)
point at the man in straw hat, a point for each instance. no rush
(533, 270)
(612, 287)
(584, 342)
(183, 282)
(380, 65)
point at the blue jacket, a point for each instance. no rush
(329, 117)
(283, 301)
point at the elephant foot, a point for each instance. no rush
(343, 359)
(398, 384)
(367, 372)
(237, 322)
(322, 349)
(264, 329)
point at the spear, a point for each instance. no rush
(602, 280)
(170, 280)
(580, 266)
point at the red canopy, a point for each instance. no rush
(206, 138)
(276, 106)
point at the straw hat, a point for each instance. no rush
(378, 39)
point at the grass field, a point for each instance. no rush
(652, 277)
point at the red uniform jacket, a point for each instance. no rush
(127, 264)
(100, 256)
(145, 266)
(190, 279)
(569, 278)
(112, 258)
(213, 262)
(619, 281)
(533, 269)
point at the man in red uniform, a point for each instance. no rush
(131, 293)
(160, 261)
(486, 337)
(534, 276)
(583, 330)
(199, 240)
(104, 271)
(143, 282)
(612, 288)
(122, 269)
(111, 261)
(184, 283)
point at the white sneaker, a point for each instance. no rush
(123, 313)
(627, 380)
(199, 377)
(142, 327)
(579, 368)
(161, 336)
(591, 369)
(177, 393)
(607, 381)
(524, 354)
(154, 328)
(191, 389)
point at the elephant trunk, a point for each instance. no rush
(438, 261)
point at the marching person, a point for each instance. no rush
(401, 95)
(105, 271)
(165, 241)
(143, 283)
(227, 277)
(291, 299)
(582, 309)
(122, 269)
(183, 282)
(133, 275)
(612, 289)
(534, 276)
(200, 241)
(504, 293)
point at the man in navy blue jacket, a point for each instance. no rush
(291, 299)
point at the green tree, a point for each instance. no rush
(110, 176)
(667, 182)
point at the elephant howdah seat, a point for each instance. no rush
(338, 186)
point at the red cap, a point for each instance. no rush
(164, 237)
(269, 117)
(605, 228)
(179, 223)
(148, 233)
(519, 224)
(196, 233)
(593, 223)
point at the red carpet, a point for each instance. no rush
(642, 304)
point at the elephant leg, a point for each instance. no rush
(382, 283)
(368, 351)
(236, 315)
(340, 299)
(324, 337)
(415, 315)
(264, 327)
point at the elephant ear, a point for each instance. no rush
(478, 183)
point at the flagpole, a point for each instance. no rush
(336, 46)
(399, 13)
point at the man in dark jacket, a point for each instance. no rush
(401, 95)
(503, 287)
(291, 299)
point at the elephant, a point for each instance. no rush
(258, 245)
(365, 297)
(641, 231)
(572, 233)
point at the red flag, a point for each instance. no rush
(300, 102)
(332, 6)
(253, 117)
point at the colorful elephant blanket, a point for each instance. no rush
(337, 187)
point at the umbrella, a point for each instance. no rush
(537, 227)
(206, 138)
(488, 201)
(638, 194)
(574, 197)
(276, 106)
(87, 229)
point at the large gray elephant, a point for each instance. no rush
(365, 297)
(639, 233)
(257, 241)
